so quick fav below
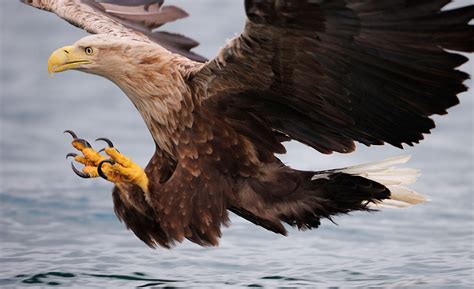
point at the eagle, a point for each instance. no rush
(326, 73)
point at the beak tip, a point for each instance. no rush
(57, 59)
(51, 70)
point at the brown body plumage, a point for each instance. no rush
(325, 73)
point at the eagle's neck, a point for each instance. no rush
(158, 89)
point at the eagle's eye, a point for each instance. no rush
(89, 50)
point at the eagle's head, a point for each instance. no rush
(97, 54)
(104, 55)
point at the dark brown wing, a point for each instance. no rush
(331, 72)
(138, 216)
(125, 18)
(133, 209)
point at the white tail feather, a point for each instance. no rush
(393, 178)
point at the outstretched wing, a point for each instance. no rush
(331, 72)
(124, 18)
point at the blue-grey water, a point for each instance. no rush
(59, 230)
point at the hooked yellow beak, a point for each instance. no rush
(65, 58)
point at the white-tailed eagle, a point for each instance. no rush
(327, 73)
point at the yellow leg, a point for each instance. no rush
(117, 168)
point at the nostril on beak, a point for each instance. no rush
(65, 51)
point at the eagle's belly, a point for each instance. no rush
(213, 160)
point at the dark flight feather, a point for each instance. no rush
(334, 72)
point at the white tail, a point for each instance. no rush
(393, 178)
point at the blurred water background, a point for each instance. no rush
(59, 230)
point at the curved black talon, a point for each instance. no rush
(79, 173)
(73, 134)
(108, 141)
(99, 168)
(83, 142)
(71, 155)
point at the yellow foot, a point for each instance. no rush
(117, 168)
